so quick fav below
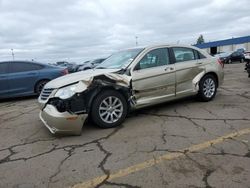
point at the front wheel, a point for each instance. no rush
(207, 88)
(39, 86)
(109, 109)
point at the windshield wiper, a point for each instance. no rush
(100, 67)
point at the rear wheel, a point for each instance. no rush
(39, 86)
(109, 109)
(207, 88)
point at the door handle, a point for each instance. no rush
(166, 68)
(199, 63)
(169, 68)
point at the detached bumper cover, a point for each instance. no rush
(62, 123)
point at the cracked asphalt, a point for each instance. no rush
(184, 143)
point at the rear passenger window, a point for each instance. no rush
(183, 54)
(3, 68)
(23, 67)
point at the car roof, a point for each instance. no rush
(23, 61)
(162, 45)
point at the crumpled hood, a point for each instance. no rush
(78, 76)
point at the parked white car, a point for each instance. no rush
(247, 55)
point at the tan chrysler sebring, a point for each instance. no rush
(128, 80)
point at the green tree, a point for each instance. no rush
(200, 40)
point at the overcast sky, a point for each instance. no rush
(78, 30)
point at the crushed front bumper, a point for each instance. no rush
(62, 123)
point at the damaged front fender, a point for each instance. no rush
(87, 89)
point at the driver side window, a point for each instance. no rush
(154, 58)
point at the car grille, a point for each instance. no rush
(46, 93)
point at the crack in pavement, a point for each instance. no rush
(206, 176)
(197, 125)
(71, 148)
(164, 182)
(210, 112)
(21, 113)
(121, 184)
(208, 171)
(196, 118)
(55, 148)
(69, 154)
(104, 160)
(102, 163)
(12, 152)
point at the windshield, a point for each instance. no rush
(120, 59)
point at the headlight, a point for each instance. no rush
(66, 92)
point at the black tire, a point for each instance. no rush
(203, 96)
(39, 86)
(96, 111)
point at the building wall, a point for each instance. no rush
(225, 48)
(230, 47)
(248, 46)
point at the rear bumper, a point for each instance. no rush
(62, 123)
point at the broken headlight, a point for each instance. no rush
(66, 92)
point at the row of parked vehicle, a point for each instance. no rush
(73, 67)
(240, 55)
(22, 78)
(232, 56)
(247, 59)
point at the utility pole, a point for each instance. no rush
(13, 55)
(136, 40)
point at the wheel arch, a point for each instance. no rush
(93, 94)
(38, 81)
(215, 76)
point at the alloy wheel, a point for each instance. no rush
(111, 109)
(209, 87)
(40, 86)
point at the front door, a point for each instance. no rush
(153, 78)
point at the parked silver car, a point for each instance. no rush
(128, 80)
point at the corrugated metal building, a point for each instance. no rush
(226, 45)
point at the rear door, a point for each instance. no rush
(4, 76)
(153, 78)
(188, 64)
(23, 77)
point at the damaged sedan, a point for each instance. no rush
(129, 79)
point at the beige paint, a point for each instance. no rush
(150, 86)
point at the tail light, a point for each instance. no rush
(220, 62)
(65, 71)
